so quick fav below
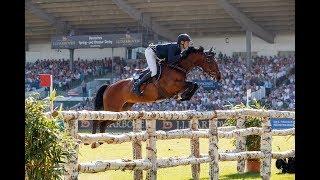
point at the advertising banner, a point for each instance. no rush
(282, 123)
(207, 84)
(161, 125)
(96, 41)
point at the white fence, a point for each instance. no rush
(151, 163)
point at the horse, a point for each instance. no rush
(170, 84)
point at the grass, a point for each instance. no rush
(177, 147)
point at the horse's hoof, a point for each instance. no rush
(100, 143)
(95, 145)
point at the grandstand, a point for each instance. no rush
(254, 41)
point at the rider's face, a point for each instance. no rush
(185, 44)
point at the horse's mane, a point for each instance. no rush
(192, 49)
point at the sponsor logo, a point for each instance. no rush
(85, 124)
(127, 40)
(167, 125)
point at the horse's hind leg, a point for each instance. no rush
(103, 127)
(127, 106)
(103, 124)
(94, 126)
(110, 107)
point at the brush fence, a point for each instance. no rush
(151, 163)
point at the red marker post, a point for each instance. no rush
(46, 81)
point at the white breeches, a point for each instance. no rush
(151, 60)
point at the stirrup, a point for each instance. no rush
(136, 89)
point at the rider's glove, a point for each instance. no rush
(183, 54)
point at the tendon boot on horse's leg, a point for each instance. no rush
(136, 86)
(186, 96)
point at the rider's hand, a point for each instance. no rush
(183, 54)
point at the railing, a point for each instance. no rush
(151, 163)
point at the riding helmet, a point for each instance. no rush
(183, 37)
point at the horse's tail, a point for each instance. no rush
(98, 100)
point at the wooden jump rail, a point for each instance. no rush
(151, 163)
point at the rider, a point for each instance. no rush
(171, 52)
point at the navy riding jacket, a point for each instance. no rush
(170, 52)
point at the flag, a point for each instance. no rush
(45, 80)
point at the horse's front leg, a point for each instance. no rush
(184, 91)
(189, 92)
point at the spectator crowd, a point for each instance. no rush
(274, 73)
(60, 69)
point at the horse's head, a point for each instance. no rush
(205, 60)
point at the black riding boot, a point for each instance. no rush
(136, 86)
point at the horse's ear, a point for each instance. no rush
(210, 50)
(201, 49)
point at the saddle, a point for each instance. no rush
(140, 72)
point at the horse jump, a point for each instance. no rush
(151, 163)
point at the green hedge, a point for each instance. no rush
(46, 146)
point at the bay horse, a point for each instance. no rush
(119, 96)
